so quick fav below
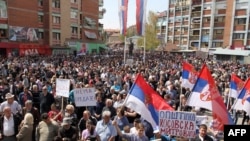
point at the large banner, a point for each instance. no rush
(180, 124)
(62, 87)
(84, 97)
(17, 33)
(3, 9)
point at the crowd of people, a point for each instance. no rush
(31, 110)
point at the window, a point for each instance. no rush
(217, 44)
(3, 10)
(3, 33)
(40, 18)
(185, 8)
(241, 21)
(41, 35)
(56, 3)
(74, 30)
(40, 2)
(73, 14)
(219, 19)
(248, 35)
(56, 19)
(172, 2)
(73, 1)
(238, 36)
(205, 32)
(56, 36)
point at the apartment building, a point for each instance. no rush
(204, 24)
(47, 26)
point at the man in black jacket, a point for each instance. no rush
(9, 125)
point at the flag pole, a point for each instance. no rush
(228, 99)
(144, 50)
(125, 46)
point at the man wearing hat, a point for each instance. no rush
(67, 131)
(10, 102)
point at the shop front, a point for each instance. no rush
(23, 49)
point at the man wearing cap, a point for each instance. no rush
(67, 131)
(10, 102)
(105, 129)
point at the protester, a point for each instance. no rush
(26, 131)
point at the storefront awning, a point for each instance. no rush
(90, 35)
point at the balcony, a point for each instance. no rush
(4, 20)
(195, 26)
(222, 11)
(240, 12)
(74, 5)
(170, 33)
(185, 13)
(239, 27)
(248, 41)
(218, 37)
(238, 43)
(219, 24)
(177, 42)
(74, 36)
(185, 22)
(56, 42)
(206, 12)
(248, 26)
(184, 43)
(177, 24)
(74, 20)
(171, 14)
(196, 2)
(177, 33)
(56, 10)
(206, 24)
(100, 15)
(194, 37)
(170, 24)
(40, 8)
(40, 24)
(196, 14)
(178, 13)
(101, 3)
(171, 6)
(207, 1)
(56, 25)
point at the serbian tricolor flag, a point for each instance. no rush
(189, 76)
(141, 16)
(145, 101)
(205, 94)
(243, 101)
(123, 15)
(236, 84)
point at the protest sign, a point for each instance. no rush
(175, 123)
(85, 97)
(62, 87)
(201, 120)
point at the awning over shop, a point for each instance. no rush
(231, 52)
(90, 35)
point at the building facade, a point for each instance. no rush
(205, 24)
(40, 24)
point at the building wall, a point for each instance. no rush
(208, 23)
(22, 13)
(90, 9)
(65, 20)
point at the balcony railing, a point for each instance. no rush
(196, 2)
(101, 3)
(74, 35)
(219, 24)
(185, 12)
(100, 16)
(56, 25)
(177, 23)
(239, 27)
(56, 42)
(207, 1)
(194, 37)
(56, 10)
(240, 12)
(185, 22)
(171, 5)
(218, 37)
(177, 13)
(222, 11)
(177, 33)
(206, 24)
(196, 14)
(74, 5)
(74, 20)
(206, 12)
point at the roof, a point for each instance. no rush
(231, 52)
